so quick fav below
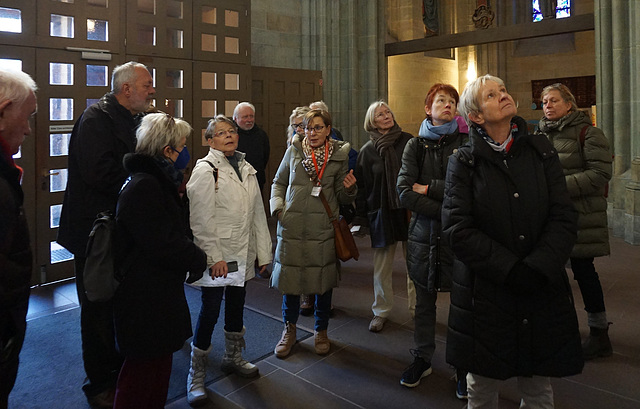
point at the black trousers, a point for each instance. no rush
(102, 362)
(12, 330)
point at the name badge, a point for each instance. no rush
(315, 191)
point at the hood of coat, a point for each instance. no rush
(340, 148)
(138, 163)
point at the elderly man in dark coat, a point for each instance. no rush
(17, 105)
(101, 137)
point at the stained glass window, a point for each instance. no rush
(563, 9)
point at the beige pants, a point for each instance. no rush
(382, 283)
(483, 392)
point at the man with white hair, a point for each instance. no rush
(17, 106)
(253, 141)
(103, 134)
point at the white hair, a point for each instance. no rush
(16, 86)
(240, 106)
(124, 74)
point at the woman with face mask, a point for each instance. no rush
(151, 314)
(586, 159)
(229, 223)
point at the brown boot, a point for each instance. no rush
(287, 341)
(597, 344)
(322, 343)
(306, 304)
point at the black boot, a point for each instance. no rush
(597, 344)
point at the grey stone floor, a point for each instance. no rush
(363, 369)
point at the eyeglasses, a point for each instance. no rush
(383, 113)
(316, 128)
(221, 134)
(177, 151)
(296, 126)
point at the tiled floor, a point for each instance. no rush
(363, 369)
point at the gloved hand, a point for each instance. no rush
(193, 277)
(523, 279)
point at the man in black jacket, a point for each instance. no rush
(17, 106)
(101, 137)
(253, 141)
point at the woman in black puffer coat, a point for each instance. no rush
(421, 189)
(508, 217)
(151, 314)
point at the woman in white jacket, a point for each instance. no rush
(228, 221)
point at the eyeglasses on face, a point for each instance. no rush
(317, 128)
(221, 134)
(296, 126)
(382, 114)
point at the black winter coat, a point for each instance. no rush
(15, 266)
(387, 226)
(255, 145)
(429, 259)
(499, 209)
(101, 137)
(151, 314)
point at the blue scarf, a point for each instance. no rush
(435, 132)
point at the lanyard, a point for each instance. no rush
(315, 163)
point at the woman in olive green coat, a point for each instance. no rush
(305, 259)
(586, 159)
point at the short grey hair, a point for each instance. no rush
(240, 106)
(208, 134)
(370, 117)
(565, 93)
(321, 105)
(16, 86)
(158, 130)
(469, 103)
(124, 74)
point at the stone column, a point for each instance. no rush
(618, 100)
(345, 40)
(632, 208)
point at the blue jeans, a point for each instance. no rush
(291, 309)
(210, 310)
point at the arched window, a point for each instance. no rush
(563, 9)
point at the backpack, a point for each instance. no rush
(102, 273)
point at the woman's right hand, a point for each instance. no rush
(422, 189)
(219, 269)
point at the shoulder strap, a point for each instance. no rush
(215, 172)
(581, 138)
(326, 206)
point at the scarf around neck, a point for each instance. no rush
(385, 146)
(167, 167)
(434, 132)
(498, 147)
(319, 153)
(545, 125)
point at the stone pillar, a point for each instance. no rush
(618, 100)
(632, 208)
(344, 39)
